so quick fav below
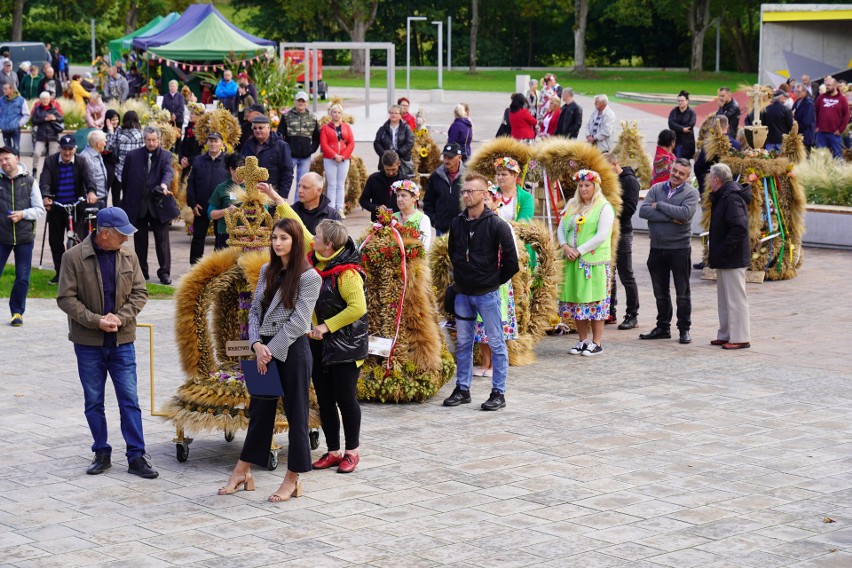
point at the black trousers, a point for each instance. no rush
(295, 375)
(624, 269)
(335, 389)
(57, 223)
(200, 225)
(161, 245)
(677, 264)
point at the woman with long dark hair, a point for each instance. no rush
(279, 319)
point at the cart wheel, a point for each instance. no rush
(69, 243)
(229, 436)
(182, 451)
(313, 435)
(272, 464)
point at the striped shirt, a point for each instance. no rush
(65, 192)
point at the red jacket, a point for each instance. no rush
(663, 160)
(410, 121)
(331, 146)
(522, 124)
(832, 113)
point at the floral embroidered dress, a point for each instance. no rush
(585, 291)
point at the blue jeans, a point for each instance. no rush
(303, 166)
(830, 141)
(23, 263)
(12, 139)
(488, 308)
(92, 365)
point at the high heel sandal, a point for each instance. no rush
(247, 484)
(280, 496)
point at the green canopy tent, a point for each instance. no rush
(123, 44)
(211, 40)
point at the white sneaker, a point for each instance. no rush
(578, 349)
(591, 350)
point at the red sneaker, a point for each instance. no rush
(347, 465)
(327, 460)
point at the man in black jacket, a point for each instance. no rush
(313, 206)
(482, 250)
(377, 190)
(272, 153)
(570, 117)
(442, 199)
(729, 107)
(208, 171)
(777, 118)
(624, 258)
(65, 178)
(730, 255)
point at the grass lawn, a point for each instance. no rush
(593, 83)
(40, 288)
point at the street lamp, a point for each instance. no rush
(408, 21)
(440, 53)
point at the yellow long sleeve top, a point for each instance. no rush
(349, 283)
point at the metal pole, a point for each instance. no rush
(449, 43)
(408, 21)
(718, 42)
(440, 53)
(391, 77)
(367, 83)
(315, 72)
(93, 39)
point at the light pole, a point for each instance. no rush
(440, 53)
(408, 21)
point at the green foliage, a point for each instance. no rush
(405, 383)
(275, 80)
(826, 181)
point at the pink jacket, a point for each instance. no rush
(95, 115)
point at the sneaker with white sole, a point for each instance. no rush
(578, 349)
(591, 350)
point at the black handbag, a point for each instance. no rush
(505, 128)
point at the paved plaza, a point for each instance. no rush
(654, 454)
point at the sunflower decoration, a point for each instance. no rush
(426, 154)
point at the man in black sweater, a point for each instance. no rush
(313, 206)
(570, 117)
(482, 250)
(377, 190)
(624, 258)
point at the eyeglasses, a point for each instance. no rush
(258, 128)
(468, 191)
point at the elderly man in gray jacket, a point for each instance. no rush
(600, 130)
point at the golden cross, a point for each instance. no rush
(251, 174)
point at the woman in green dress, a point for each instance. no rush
(407, 194)
(584, 233)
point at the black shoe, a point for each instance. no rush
(141, 466)
(495, 402)
(684, 337)
(656, 333)
(630, 321)
(698, 265)
(54, 280)
(458, 397)
(145, 276)
(165, 280)
(100, 464)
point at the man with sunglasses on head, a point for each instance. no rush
(272, 153)
(482, 250)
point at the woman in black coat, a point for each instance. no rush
(404, 139)
(682, 121)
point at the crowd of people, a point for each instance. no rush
(308, 316)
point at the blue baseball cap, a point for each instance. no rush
(115, 218)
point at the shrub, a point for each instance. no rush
(826, 181)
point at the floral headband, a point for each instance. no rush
(493, 189)
(509, 163)
(587, 175)
(407, 185)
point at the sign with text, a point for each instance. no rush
(238, 348)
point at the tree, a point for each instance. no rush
(131, 18)
(474, 30)
(581, 15)
(699, 21)
(17, 20)
(356, 17)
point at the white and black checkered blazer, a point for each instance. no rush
(285, 326)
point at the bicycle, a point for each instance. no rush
(90, 214)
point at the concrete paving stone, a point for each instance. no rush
(509, 560)
(129, 550)
(731, 526)
(832, 560)
(605, 519)
(684, 558)
(458, 552)
(174, 540)
(739, 545)
(631, 551)
(671, 541)
(466, 533)
(299, 548)
(802, 549)
(185, 556)
(318, 561)
(120, 535)
(759, 560)
(566, 544)
(251, 559)
(407, 560)
(232, 547)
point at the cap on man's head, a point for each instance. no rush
(452, 150)
(67, 141)
(115, 218)
(261, 119)
(8, 150)
(302, 96)
(215, 135)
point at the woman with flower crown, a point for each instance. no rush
(584, 232)
(407, 193)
